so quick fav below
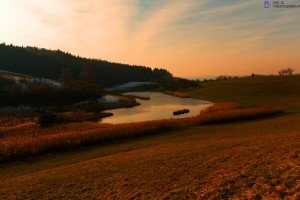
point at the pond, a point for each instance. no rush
(160, 106)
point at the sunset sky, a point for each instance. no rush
(187, 37)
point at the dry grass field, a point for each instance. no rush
(24, 140)
(253, 159)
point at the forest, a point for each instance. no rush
(56, 64)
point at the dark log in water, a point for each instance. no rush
(180, 112)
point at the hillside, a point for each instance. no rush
(256, 159)
(49, 64)
(259, 90)
(16, 77)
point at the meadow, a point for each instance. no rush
(257, 158)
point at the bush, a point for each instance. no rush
(286, 72)
(46, 119)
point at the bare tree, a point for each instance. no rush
(87, 73)
(65, 75)
(286, 72)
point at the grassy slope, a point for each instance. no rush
(260, 90)
(258, 158)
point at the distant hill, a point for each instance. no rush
(45, 63)
(18, 78)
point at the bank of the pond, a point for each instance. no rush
(158, 106)
(22, 142)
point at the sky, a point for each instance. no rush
(186, 37)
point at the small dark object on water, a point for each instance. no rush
(46, 119)
(180, 112)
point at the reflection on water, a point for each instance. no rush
(160, 106)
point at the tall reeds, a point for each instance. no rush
(179, 94)
(31, 140)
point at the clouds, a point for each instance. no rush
(187, 37)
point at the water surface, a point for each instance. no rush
(160, 106)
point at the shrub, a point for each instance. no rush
(46, 119)
(286, 72)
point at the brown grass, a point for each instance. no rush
(218, 107)
(179, 94)
(30, 140)
(258, 159)
(68, 117)
(12, 120)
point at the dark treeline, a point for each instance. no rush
(55, 64)
(35, 93)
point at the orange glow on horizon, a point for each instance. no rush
(190, 38)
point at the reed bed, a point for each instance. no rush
(179, 94)
(12, 120)
(218, 107)
(68, 117)
(33, 140)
